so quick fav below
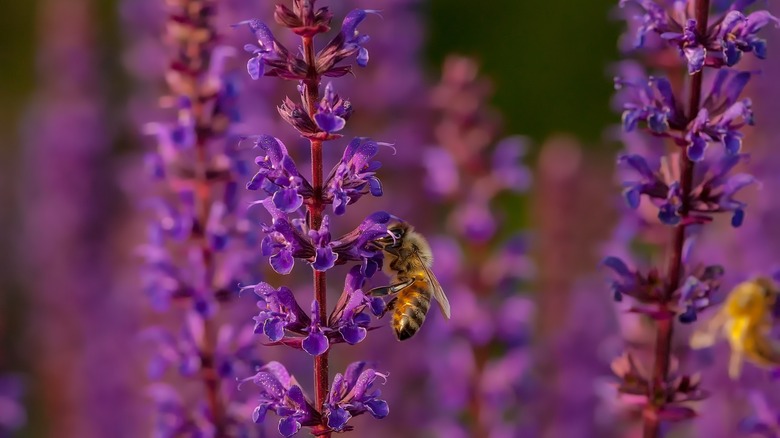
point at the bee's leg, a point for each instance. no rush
(389, 306)
(390, 289)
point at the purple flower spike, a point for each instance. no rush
(351, 395)
(316, 342)
(354, 176)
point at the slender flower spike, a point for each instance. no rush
(299, 229)
(351, 395)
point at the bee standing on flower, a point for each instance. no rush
(746, 321)
(409, 260)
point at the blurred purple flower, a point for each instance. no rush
(12, 413)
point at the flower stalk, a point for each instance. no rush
(688, 188)
(299, 228)
(315, 209)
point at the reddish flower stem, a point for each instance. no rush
(315, 208)
(665, 328)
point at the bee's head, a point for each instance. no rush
(396, 232)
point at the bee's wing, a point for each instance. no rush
(438, 292)
(706, 335)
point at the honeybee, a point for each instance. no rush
(745, 320)
(408, 261)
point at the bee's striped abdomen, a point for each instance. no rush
(410, 309)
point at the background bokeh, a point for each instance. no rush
(74, 88)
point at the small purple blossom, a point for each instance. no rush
(315, 343)
(281, 394)
(652, 101)
(279, 311)
(332, 112)
(355, 175)
(278, 176)
(351, 395)
(324, 258)
(738, 34)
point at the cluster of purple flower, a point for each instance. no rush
(469, 167)
(201, 245)
(299, 229)
(686, 189)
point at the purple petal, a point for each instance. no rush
(274, 328)
(353, 334)
(270, 384)
(253, 67)
(289, 426)
(378, 408)
(329, 122)
(696, 149)
(377, 305)
(288, 200)
(282, 262)
(737, 218)
(337, 418)
(258, 415)
(324, 259)
(618, 265)
(315, 344)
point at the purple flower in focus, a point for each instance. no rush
(278, 176)
(351, 394)
(280, 393)
(347, 43)
(315, 343)
(354, 176)
(332, 112)
(324, 257)
(279, 311)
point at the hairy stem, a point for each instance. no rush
(310, 98)
(665, 327)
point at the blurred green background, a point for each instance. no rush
(548, 61)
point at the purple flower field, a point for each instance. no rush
(249, 219)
